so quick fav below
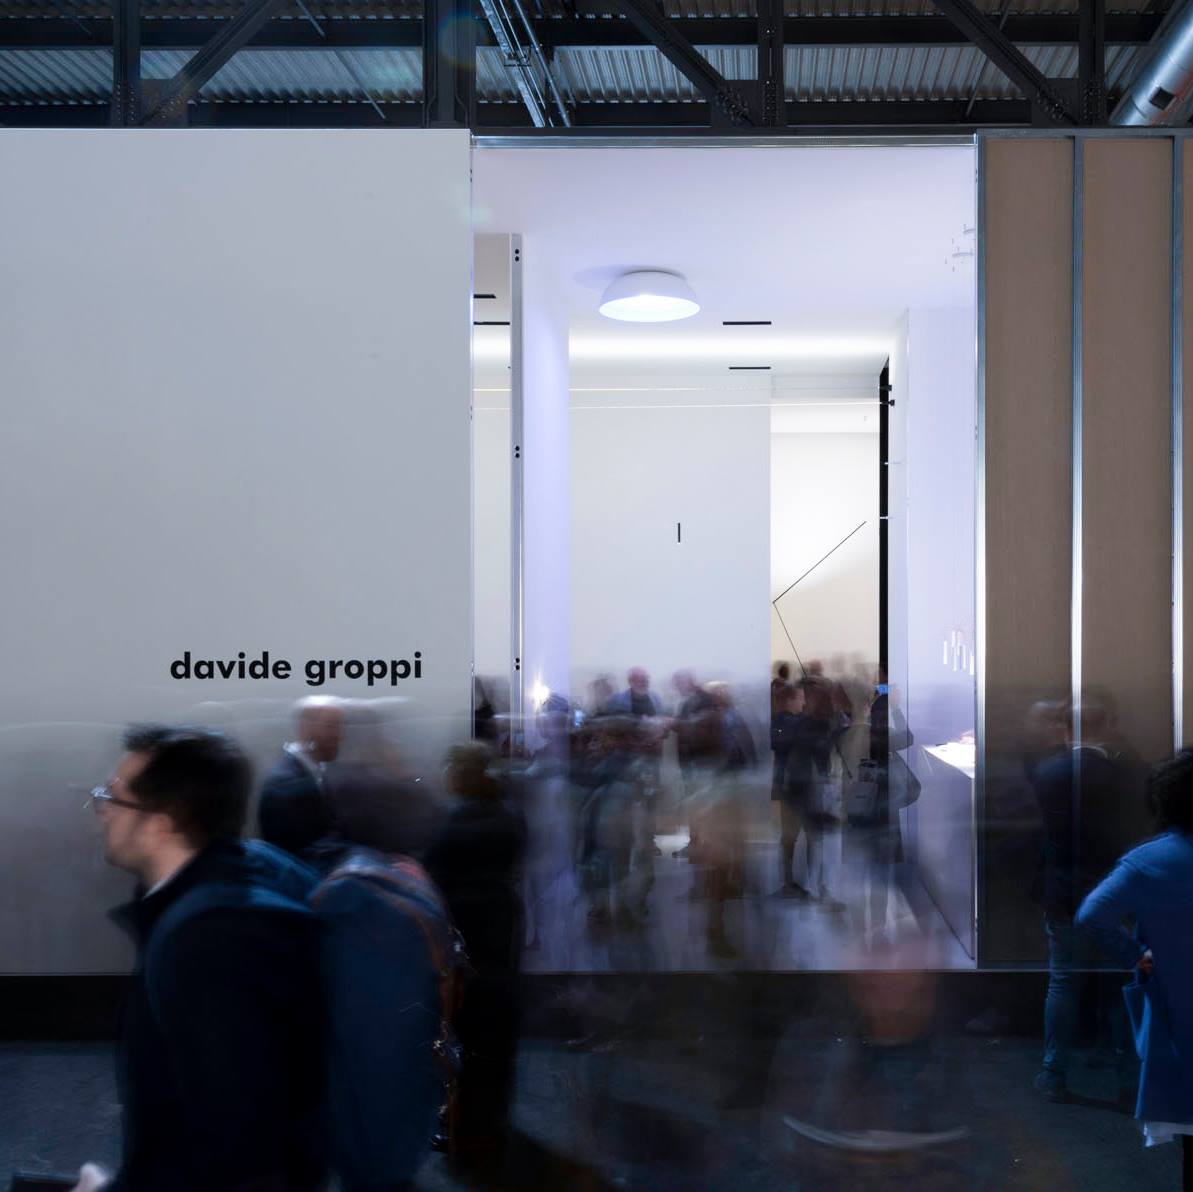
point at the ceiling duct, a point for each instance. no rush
(1160, 91)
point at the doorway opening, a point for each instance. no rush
(784, 477)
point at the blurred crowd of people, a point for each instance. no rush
(343, 992)
(622, 770)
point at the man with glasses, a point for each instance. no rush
(219, 1057)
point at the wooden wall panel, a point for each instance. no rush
(1028, 419)
(1027, 516)
(1127, 485)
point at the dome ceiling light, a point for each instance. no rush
(649, 296)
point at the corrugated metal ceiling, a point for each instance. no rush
(624, 75)
(627, 74)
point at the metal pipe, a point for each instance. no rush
(1160, 91)
(525, 61)
(537, 55)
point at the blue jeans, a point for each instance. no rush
(1069, 951)
(1071, 955)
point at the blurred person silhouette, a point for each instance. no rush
(1046, 732)
(1093, 809)
(792, 780)
(889, 1105)
(717, 815)
(876, 788)
(476, 861)
(600, 692)
(294, 811)
(545, 800)
(639, 702)
(376, 801)
(637, 699)
(616, 875)
(821, 706)
(780, 681)
(1152, 885)
(695, 725)
(220, 1052)
(484, 714)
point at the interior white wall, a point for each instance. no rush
(941, 429)
(230, 425)
(941, 619)
(491, 457)
(491, 542)
(546, 467)
(824, 486)
(897, 468)
(645, 456)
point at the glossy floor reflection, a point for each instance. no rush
(673, 1114)
(668, 930)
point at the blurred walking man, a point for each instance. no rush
(219, 1056)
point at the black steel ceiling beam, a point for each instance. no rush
(1091, 61)
(590, 118)
(186, 33)
(725, 100)
(126, 63)
(449, 64)
(1001, 50)
(232, 36)
(772, 89)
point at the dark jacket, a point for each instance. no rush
(219, 1063)
(295, 810)
(793, 738)
(696, 729)
(476, 863)
(736, 743)
(1093, 809)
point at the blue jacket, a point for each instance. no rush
(1154, 885)
(220, 1056)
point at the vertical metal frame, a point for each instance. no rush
(517, 502)
(1178, 445)
(1078, 440)
(979, 785)
(126, 63)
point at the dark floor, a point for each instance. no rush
(796, 1111)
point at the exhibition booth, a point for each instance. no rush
(305, 412)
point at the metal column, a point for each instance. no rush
(517, 502)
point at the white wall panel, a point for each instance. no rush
(236, 373)
(639, 596)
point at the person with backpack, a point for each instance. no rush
(220, 1057)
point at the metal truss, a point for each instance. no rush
(998, 47)
(726, 101)
(448, 32)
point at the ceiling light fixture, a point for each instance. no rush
(649, 296)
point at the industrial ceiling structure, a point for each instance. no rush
(576, 68)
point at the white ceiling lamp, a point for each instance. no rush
(649, 296)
